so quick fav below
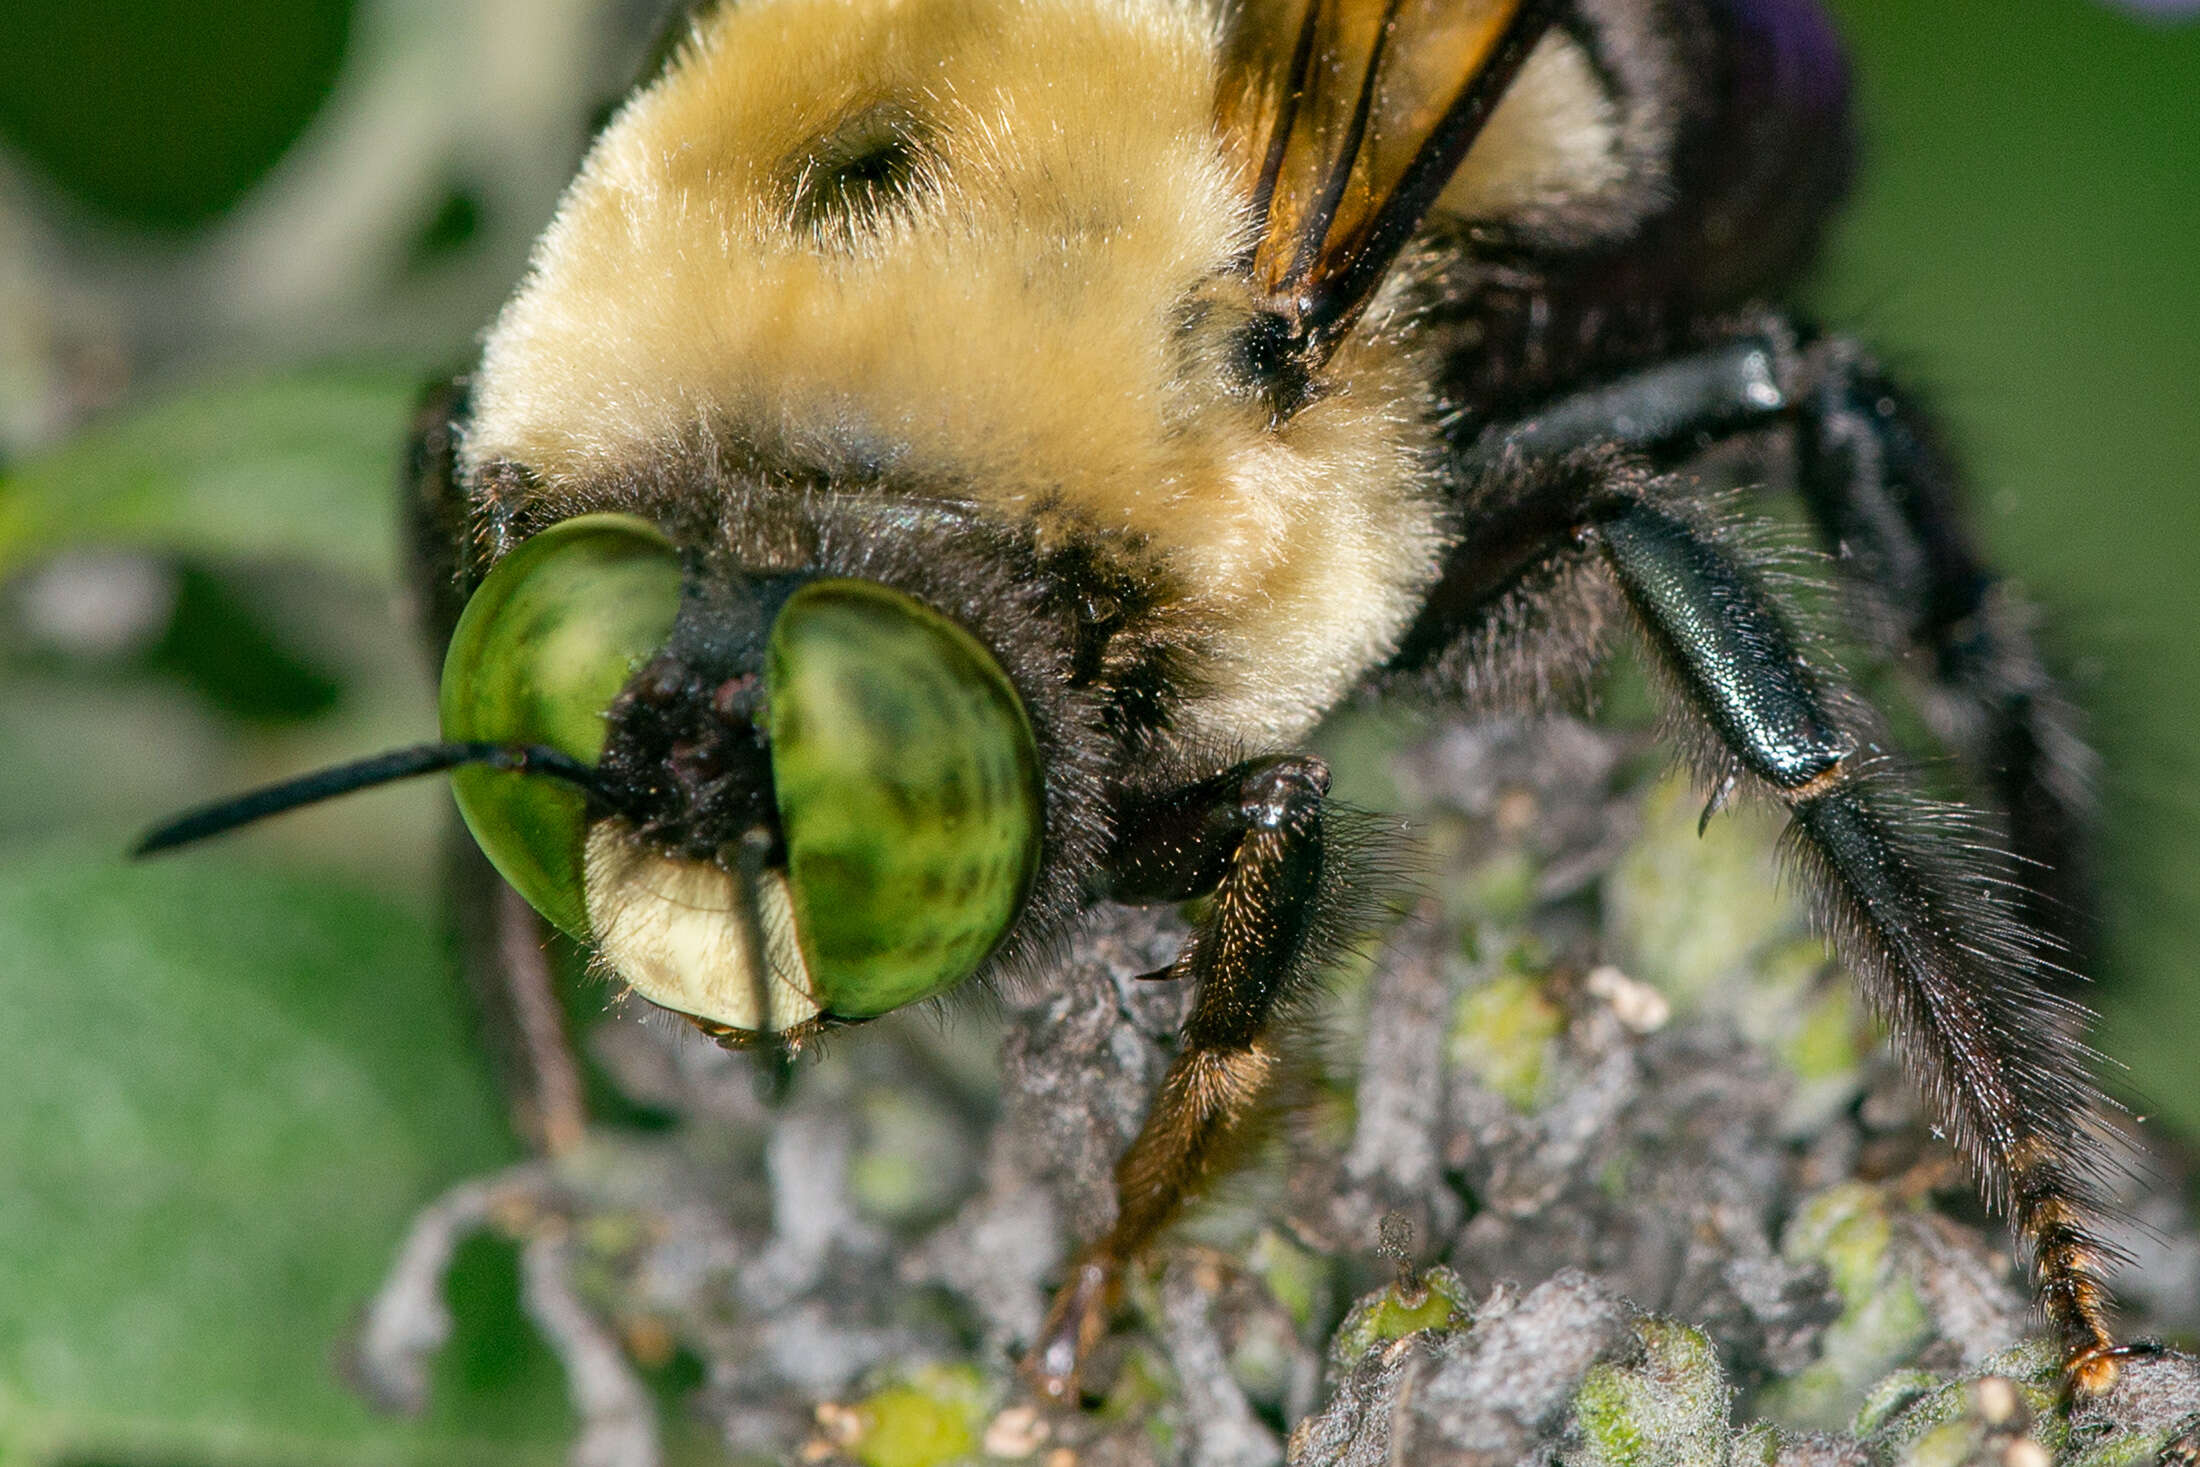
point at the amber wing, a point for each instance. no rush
(1347, 118)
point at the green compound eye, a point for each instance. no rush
(548, 640)
(908, 793)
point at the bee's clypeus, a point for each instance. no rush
(928, 430)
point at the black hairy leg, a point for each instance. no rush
(506, 954)
(1256, 840)
(1932, 925)
(1920, 905)
(437, 518)
(1885, 497)
(1885, 500)
(504, 949)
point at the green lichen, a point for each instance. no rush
(908, 1169)
(934, 1417)
(1942, 1402)
(1264, 1361)
(2034, 1366)
(2132, 1449)
(1141, 1388)
(1144, 1395)
(1757, 1445)
(1501, 1034)
(1668, 1410)
(1923, 1426)
(1502, 888)
(1295, 1278)
(1330, 1116)
(1950, 1423)
(1814, 1396)
(1846, 1230)
(1440, 1302)
(1688, 914)
(1893, 1394)
(614, 1234)
(1824, 1044)
(1491, 887)
(1951, 1445)
(1610, 1411)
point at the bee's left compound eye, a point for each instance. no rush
(544, 645)
(908, 793)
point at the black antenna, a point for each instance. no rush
(324, 784)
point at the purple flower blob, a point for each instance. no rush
(2159, 9)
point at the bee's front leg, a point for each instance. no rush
(1252, 836)
(504, 949)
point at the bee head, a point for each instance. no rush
(815, 798)
(768, 802)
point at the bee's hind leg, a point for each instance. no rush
(1947, 936)
(1258, 839)
(1919, 911)
(1886, 499)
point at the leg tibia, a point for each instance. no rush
(1886, 501)
(1730, 651)
(1918, 906)
(1949, 963)
(1885, 496)
(1197, 1119)
(1254, 836)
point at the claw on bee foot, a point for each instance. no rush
(1074, 1324)
(2092, 1371)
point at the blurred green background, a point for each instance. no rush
(232, 239)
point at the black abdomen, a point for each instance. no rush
(1753, 172)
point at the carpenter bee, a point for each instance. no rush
(946, 455)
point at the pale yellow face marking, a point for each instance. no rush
(673, 932)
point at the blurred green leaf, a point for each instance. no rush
(228, 1091)
(225, 649)
(162, 113)
(302, 466)
(2021, 244)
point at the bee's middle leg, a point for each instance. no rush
(1252, 836)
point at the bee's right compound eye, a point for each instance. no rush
(908, 791)
(543, 647)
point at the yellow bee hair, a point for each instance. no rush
(1028, 318)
